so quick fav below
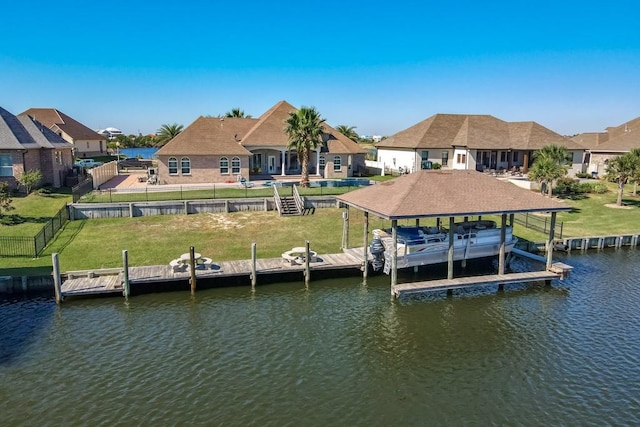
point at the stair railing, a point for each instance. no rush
(298, 199)
(276, 197)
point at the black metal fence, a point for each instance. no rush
(33, 245)
(538, 223)
(82, 188)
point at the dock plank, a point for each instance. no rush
(466, 282)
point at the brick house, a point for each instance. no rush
(86, 141)
(26, 145)
(602, 146)
(218, 149)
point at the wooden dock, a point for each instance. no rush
(110, 281)
(467, 282)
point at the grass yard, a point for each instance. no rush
(158, 239)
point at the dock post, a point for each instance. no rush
(345, 228)
(503, 238)
(125, 273)
(394, 255)
(57, 280)
(552, 229)
(254, 275)
(365, 254)
(452, 226)
(192, 265)
(307, 269)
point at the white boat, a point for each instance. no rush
(430, 245)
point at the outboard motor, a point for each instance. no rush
(377, 251)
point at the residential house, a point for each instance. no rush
(601, 146)
(87, 142)
(471, 142)
(26, 145)
(220, 149)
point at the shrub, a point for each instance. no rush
(30, 180)
(436, 165)
(583, 175)
(567, 186)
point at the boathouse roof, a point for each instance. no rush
(444, 193)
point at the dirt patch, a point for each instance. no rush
(614, 206)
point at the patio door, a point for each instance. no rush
(272, 164)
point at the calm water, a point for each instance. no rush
(336, 354)
(144, 153)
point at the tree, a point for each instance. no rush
(236, 112)
(349, 132)
(5, 198)
(305, 129)
(621, 169)
(30, 179)
(167, 132)
(636, 176)
(550, 163)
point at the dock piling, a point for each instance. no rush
(253, 266)
(307, 268)
(57, 280)
(192, 266)
(125, 273)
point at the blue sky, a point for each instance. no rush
(572, 66)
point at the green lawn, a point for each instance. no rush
(158, 239)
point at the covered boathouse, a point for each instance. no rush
(449, 194)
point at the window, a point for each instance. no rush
(503, 156)
(337, 163)
(185, 166)
(515, 156)
(6, 165)
(321, 164)
(445, 158)
(173, 166)
(235, 165)
(256, 163)
(425, 163)
(224, 165)
(462, 158)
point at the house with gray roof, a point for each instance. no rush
(86, 141)
(602, 146)
(471, 142)
(26, 145)
(219, 149)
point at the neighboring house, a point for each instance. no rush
(110, 132)
(219, 149)
(26, 145)
(471, 142)
(601, 146)
(86, 141)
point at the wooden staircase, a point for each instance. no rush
(289, 205)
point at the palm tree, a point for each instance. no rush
(621, 169)
(305, 130)
(636, 176)
(166, 133)
(349, 132)
(236, 112)
(551, 162)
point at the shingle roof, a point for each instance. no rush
(480, 132)
(22, 132)
(210, 136)
(269, 131)
(617, 139)
(440, 193)
(55, 119)
(236, 136)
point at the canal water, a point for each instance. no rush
(338, 353)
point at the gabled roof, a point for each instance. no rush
(55, 119)
(23, 132)
(236, 136)
(617, 139)
(210, 135)
(478, 132)
(443, 193)
(269, 131)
